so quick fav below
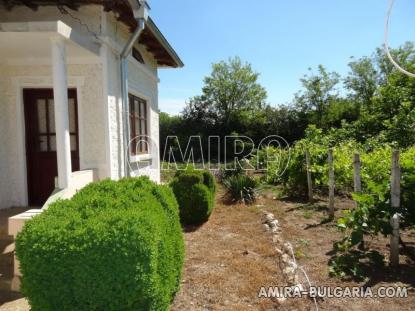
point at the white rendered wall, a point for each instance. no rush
(99, 107)
(91, 113)
(143, 82)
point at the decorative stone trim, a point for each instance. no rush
(286, 258)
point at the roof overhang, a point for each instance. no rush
(151, 37)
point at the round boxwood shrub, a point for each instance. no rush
(195, 193)
(209, 181)
(114, 246)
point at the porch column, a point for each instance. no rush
(60, 94)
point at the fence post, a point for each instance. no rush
(309, 181)
(395, 203)
(331, 183)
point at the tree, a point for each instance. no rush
(231, 90)
(390, 113)
(319, 91)
(363, 81)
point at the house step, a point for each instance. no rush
(7, 297)
(9, 284)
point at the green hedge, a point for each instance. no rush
(114, 246)
(195, 193)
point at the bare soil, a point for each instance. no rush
(229, 258)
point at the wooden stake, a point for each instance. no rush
(394, 241)
(331, 183)
(309, 181)
(395, 203)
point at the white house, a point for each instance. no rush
(78, 95)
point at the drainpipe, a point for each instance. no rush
(140, 10)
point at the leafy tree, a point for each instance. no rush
(363, 81)
(231, 90)
(390, 112)
(377, 102)
(319, 91)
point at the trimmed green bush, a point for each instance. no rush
(209, 181)
(195, 193)
(114, 246)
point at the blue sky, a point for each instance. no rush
(280, 38)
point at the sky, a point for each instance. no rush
(280, 38)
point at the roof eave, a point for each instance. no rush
(163, 41)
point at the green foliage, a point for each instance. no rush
(374, 156)
(373, 212)
(241, 188)
(115, 245)
(319, 91)
(373, 101)
(209, 181)
(226, 172)
(355, 263)
(230, 91)
(195, 193)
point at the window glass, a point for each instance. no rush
(41, 115)
(138, 124)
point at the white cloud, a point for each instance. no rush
(172, 106)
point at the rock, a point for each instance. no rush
(266, 227)
(273, 223)
(295, 279)
(285, 258)
(288, 270)
(279, 252)
(277, 239)
(275, 229)
(267, 217)
(287, 247)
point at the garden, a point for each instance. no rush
(334, 207)
(203, 240)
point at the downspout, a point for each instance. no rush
(140, 10)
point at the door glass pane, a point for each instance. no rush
(52, 140)
(51, 107)
(136, 108)
(143, 127)
(143, 109)
(137, 127)
(43, 143)
(73, 143)
(72, 115)
(41, 115)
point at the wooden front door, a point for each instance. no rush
(42, 167)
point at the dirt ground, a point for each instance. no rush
(227, 260)
(230, 257)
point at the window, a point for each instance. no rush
(138, 125)
(137, 56)
(45, 122)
